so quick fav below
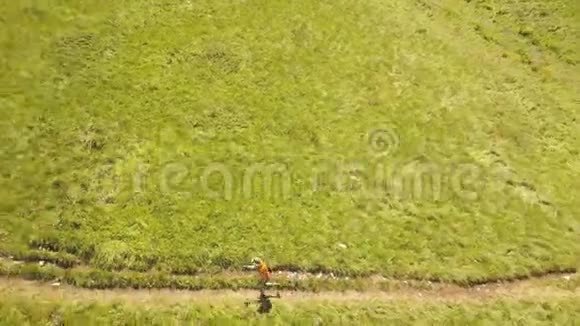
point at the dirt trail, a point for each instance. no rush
(544, 286)
(538, 288)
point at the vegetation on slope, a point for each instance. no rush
(121, 121)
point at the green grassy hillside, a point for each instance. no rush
(409, 138)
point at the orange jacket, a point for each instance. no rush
(265, 271)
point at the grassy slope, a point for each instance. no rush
(91, 93)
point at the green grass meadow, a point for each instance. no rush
(414, 139)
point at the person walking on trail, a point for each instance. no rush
(264, 271)
(265, 274)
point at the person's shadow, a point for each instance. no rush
(265, 304)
